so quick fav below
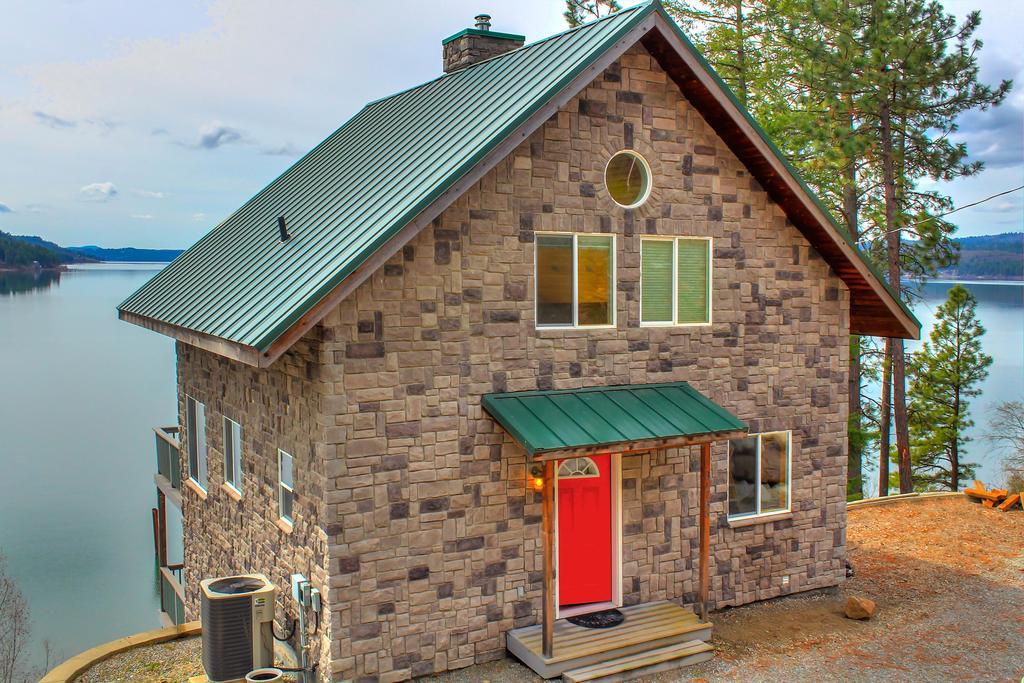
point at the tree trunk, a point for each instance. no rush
(855, 453)
(954, 450)
(884, 421)
(741, 54)
(892, 242)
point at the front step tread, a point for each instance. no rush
(631, 666)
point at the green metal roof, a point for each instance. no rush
(606, 416)
(356, 189)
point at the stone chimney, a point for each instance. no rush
(476, 44)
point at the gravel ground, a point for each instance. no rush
(947, 575)
(948, 578)
(169, 662)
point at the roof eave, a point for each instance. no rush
(222, 347)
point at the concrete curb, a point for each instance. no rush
(74, 667)
(902, 498)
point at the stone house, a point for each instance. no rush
(557, 332)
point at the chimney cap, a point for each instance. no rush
(483, 22)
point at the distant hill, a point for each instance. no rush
(27, 251)
(19, 252)
(989, 257)
(126, 254)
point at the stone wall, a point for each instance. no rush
(472, 48)
(433, 539)
(224, 534)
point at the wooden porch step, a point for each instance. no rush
(631, 667)
(648, 626)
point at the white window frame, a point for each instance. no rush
(575, 282)
(757, 487)
(675, 280)
(234, 454)
(282, 487)
(647, 171)
(197, 446)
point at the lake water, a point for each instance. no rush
(79, 392)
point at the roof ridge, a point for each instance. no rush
(528, 46)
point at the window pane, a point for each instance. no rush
(229, 452)
(626, 179)
(655, 281)
(286, 470)
(693, 280)
(236, 443)
(193, 442)
(554, 279)
(774, 471)
(201, 443)
(743, 476)
(286, 504)
(595, 289)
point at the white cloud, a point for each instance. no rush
(149, 194)
(215, 134)
(142, 216)
(99, 192)
(199, 216)
(5, 209)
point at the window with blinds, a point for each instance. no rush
(675, 281)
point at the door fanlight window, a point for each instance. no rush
(578, 468)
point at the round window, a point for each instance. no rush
(628, 179)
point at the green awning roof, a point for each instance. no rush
(597, 417)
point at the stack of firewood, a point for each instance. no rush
(994, 498)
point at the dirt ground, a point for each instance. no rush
(947, 576)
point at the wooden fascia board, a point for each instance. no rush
(628, 447)
(492, 159)
(222, 347)
(905, 325)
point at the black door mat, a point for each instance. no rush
(603, 619)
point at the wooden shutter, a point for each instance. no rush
(694, 305)
(655, 281)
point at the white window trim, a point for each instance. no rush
(647, 170)
(200, 430)
(575, 282)
(757, 488)
(281, 486)
(236, 464)
(675, 280)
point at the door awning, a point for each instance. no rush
(623, 418)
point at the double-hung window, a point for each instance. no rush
(195, 425)
(675, 281)
(286, 484)
(759, 473)
(575, 280)
(233, 454)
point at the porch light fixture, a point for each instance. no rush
(537, 478)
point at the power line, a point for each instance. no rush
(980, 201)
(959, 208)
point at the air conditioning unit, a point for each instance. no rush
(238, 622)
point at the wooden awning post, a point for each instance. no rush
(548, 536)
(705, 528)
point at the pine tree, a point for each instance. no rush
(581, 11)
(945, 372)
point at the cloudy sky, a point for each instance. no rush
(144, 124)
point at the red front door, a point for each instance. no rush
(584, 530)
